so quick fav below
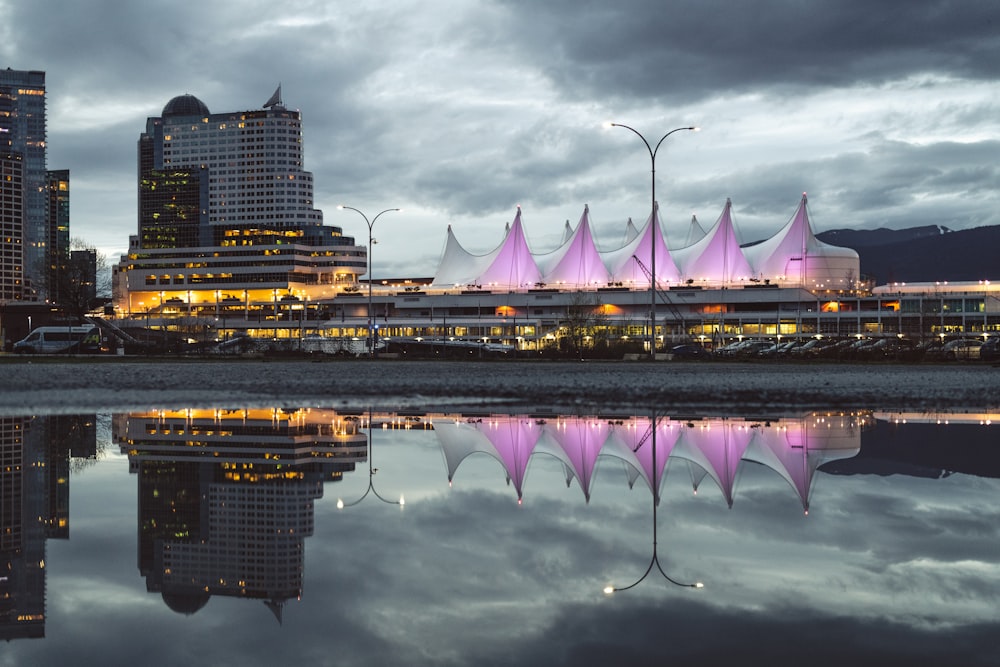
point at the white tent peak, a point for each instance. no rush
(795, 256)
(717, 257)
(576, 263)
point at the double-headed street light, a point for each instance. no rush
(652, 219)
(371, 318)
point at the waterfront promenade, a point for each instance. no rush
(80, 385)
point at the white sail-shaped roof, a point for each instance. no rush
(513, 266)
(567, 234)
(717, 258)
(577, 263)
(622, 262)
(795, 257)
(460, 267)
(695, 232)
(630, 231)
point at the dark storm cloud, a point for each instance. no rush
(456, 112)
(687, 51)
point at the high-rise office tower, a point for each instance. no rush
(11, 224)
(23, 135)
(226, 211)
(57, 241)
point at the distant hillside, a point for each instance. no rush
(923, 253)
(858, 238)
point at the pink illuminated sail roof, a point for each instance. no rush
(623, 265)
(513, 265)
(716, 258)
(577, 262)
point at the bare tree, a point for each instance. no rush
(583, 315)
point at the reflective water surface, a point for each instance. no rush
(269, 536)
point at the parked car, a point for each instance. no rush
(962, 348)
(990, 350)
(811, 348)
(688, 351)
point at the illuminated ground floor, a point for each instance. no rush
(542, 319)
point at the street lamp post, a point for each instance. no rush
(652, 220)
(371, 319)
(655, 560)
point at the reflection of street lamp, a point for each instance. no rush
(371, 479)
(652, 224)
(371, 319)
(655, 560)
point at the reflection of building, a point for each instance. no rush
(226, 497)
(714, 447)
(34, 506)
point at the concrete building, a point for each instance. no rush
(226, 215)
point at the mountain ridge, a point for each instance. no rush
(923, 254)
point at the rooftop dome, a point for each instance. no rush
(185, 105)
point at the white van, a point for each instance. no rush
(56, 340)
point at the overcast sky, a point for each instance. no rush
(886, 112)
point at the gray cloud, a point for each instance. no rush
(883, 111)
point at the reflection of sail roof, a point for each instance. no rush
(577, 261)
(634, 444)
(717, 257)
(458, 441)
(796, 450)
(622, 262)
(795, 242)
(512, 266)
(510, 440)
(581, 441)
(717, 446)
(711, 447)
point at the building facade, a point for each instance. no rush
(22, 124)
(226, 214)
(57, 234)
(11, 225)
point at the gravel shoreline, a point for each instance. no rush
(46, 386)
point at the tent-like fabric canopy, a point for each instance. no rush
(791, 258)
(576, 263)
(794, 256)
(717, 257)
